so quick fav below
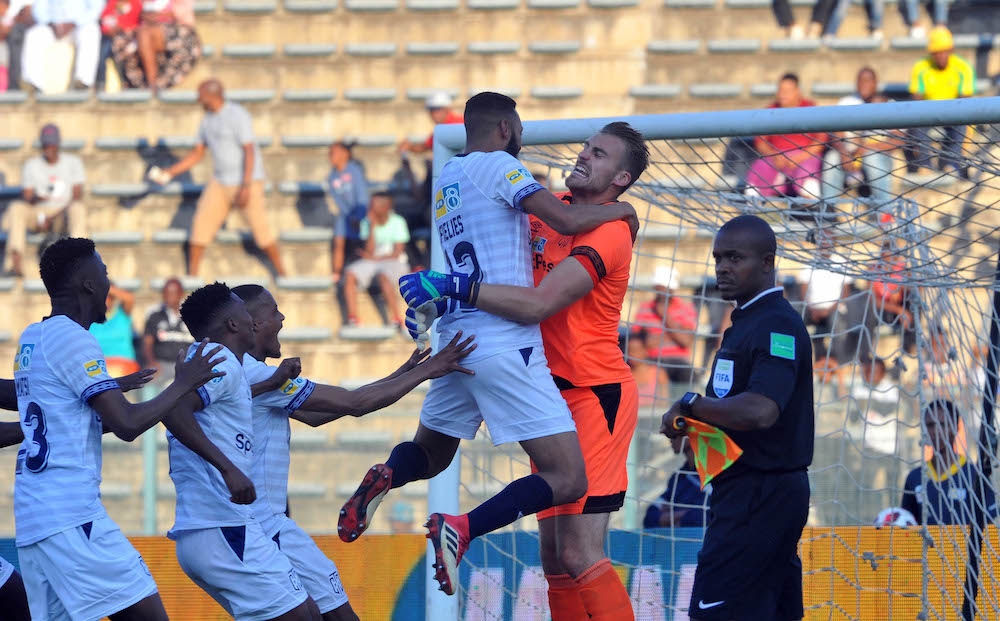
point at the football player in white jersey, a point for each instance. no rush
(314, 404)
(75, 561)
(221, 545)
(482, 200)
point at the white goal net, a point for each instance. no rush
(887, 225)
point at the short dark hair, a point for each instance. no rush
(763, 234)
(248, 293)
(201, 308)
(790, 76)
(484, 111)
(946, 406)
(61, 260)
(383, 194)
(636, 151)
(867, 69)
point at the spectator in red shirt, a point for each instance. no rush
(890, 297)
(669, 324)
(439, 108)
(789, 164)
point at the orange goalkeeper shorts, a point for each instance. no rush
(605, 419)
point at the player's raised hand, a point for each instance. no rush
(239, 485)
(447, 360)
(420, 319)
(199, 369)
(290, 368)
(135, 380)
(425, 286)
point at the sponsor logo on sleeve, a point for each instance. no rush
(783, 346)
(22, 359)
(95, 368)
(722, 379)
(447, 199)
(517, 175)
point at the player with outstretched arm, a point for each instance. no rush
(760, 394)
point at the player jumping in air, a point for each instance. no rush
(220, 544)
(482, 201)
(580, 285)
(75, 561)
(761, 395)
(314, 404)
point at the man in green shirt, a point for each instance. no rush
(383, 257)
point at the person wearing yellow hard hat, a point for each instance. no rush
(941, 74)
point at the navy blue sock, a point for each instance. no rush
(525, 496)
(409, 463)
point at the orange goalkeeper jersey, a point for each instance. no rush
(581, 340)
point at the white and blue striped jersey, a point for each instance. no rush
(58, 368)
(203, 500)
(272, 437)
(485, 234)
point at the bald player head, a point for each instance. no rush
(211, 95)
(744, 251)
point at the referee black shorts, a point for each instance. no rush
(749, 567)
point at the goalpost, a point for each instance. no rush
(912, 260)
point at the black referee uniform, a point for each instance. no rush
(748, 567)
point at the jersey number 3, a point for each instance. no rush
(36, 418)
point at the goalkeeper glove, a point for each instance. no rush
(425, 286)
(419, 320)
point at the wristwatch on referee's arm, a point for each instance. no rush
(687, 403)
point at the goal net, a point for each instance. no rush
(886, 217)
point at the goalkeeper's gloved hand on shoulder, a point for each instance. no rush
(425, 286)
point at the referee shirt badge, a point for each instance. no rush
(722, 379)
(783, 346)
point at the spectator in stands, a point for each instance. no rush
(876, 385)
(15, 19)
(115, 334)
(786, 19)
(383, 258)
(348, 189)
(942, 74)
(684, 503)
(227, 132)
(165, 335)
(890, 298)
(52, 193)
(55, 20)
(118, 16)
(651, 378)
(439, 108)
(669, 322)
(910, 12)
(790, 164)
(862, 156)
(874, 9)
(956, 491)
(825, 290)
(161, 49)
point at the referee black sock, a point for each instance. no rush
(524, 496)
(409, 463)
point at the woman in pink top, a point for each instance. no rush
(162, 49)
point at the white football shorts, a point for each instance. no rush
(83, 573)
(242, 569)
(512, 391)
(318, 573)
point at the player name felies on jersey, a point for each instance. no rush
(58, 368)
(226, 418)
(484, 233)
(272, 435)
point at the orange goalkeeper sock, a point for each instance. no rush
(603, 594)
(564, 599)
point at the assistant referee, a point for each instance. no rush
(761, 395)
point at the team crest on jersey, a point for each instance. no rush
(722, 379)
(95, 368)
(447, 199)
(538, 244)
(22, 359)
(517, 175)
(292, 386)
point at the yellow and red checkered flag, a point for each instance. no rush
(714, 451)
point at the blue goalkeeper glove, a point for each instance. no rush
(419, 320)
(425, 286)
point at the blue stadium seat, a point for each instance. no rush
(747, 4)
(767, 89)
(371, 5)
(175, 188)
(202, 7)
(13, 97)
(305, 283)
(715, 91)
(309, 439)
(119, 143)
(513, 92)
(432, 5)
(250, 7)
(250, 95)
(554, 47)
(5, 335)
(372, 140)
(69, 97)
(127, 96)
(302, 489)
(370, 49)
(177, 142)
(294, 188)
(315, 50)
(492, 5)
(306, 142)
(793, 45)
(310, 6)
(11, 144)
(855, 44)
(553, 4)
(493, 47)
(909, 43)
(118, 238)
(689, 4)
(666, 46)
(114, 490)
(655, 91)
(370, 94)
(421, 94)
(306, 235)
(734, 46)
(309, 94)
(364, 439)
(118, 189)
(306, 334)
(437, 48)
(248, 50)
(169, 236)
(68, 144)
(973, 41)
(367, 333)
(612, 4)
(556, 92)
(34, 285)
(178, 97)
(207, 51)
(10, 192)
(832, 89)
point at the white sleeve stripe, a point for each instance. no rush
(301, 398)
(98, 388)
